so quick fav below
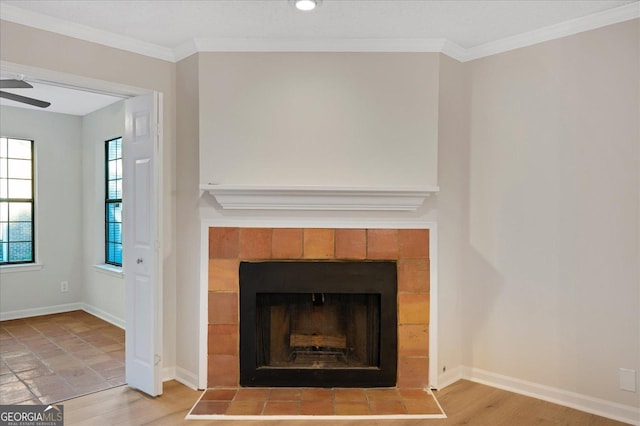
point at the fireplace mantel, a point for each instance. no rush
(335, 198)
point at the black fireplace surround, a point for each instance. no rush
(282, 340)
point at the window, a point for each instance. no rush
(16, 201)
(113, 202)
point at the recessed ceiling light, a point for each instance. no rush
(306, 5)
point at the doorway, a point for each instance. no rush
(147, 344)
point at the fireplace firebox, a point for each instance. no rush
(318, 323)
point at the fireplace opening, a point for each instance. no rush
(318, 330)
(319, 324)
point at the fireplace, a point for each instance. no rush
(408, 249)
(318, 324)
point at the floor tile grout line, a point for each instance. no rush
(264, 403)
(368, 400)
(62, 321)
(49, 366)
(85, 366)
(16, 374)
(366, 397)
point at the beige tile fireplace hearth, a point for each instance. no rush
(228, 246)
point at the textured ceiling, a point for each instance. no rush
(173, 23)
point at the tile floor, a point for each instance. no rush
(315, 402)
(52, 358)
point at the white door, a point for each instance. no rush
(142, 242)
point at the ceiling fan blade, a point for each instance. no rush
(24, 99)
(14, 84)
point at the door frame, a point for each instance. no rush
(123, 91)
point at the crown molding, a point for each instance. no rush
(185, 50)
(83, 32)
(319, 45)
(440, 45)
(553, 32)
(201, 45)
(454, 51)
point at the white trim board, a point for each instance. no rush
(185, 377)
(60, 309)
(60, 26)
(317, 198)
(223, 417)
(21, 267)
(450, 377)
(181, 375)
(612, 16)
(104, 315)
(588, 404)
(36, 312)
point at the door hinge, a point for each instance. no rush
(157, 359)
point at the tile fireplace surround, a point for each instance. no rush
(228, 246)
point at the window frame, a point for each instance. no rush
(108, 201)
(31, 200)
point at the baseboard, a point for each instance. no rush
(35, 312)
(168, 373)
(187, 378)
(59, 309)
(103, 315)
(181, 375)
(600, 407)
(449, 377)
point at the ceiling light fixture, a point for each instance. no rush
(306, 5)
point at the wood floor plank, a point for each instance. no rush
(464, 402)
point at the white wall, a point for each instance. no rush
(103, 293)
(453, 211)
(552, 291)
(70, 191)
(188, 198)
(58, 160)
(344, 119)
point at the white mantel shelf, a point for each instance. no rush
(334, 198)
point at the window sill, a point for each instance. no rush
(6, 269)
(114, 271)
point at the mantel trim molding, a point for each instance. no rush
(249, 197)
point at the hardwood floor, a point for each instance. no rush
(466, 403)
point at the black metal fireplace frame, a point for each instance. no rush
(348, 277)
